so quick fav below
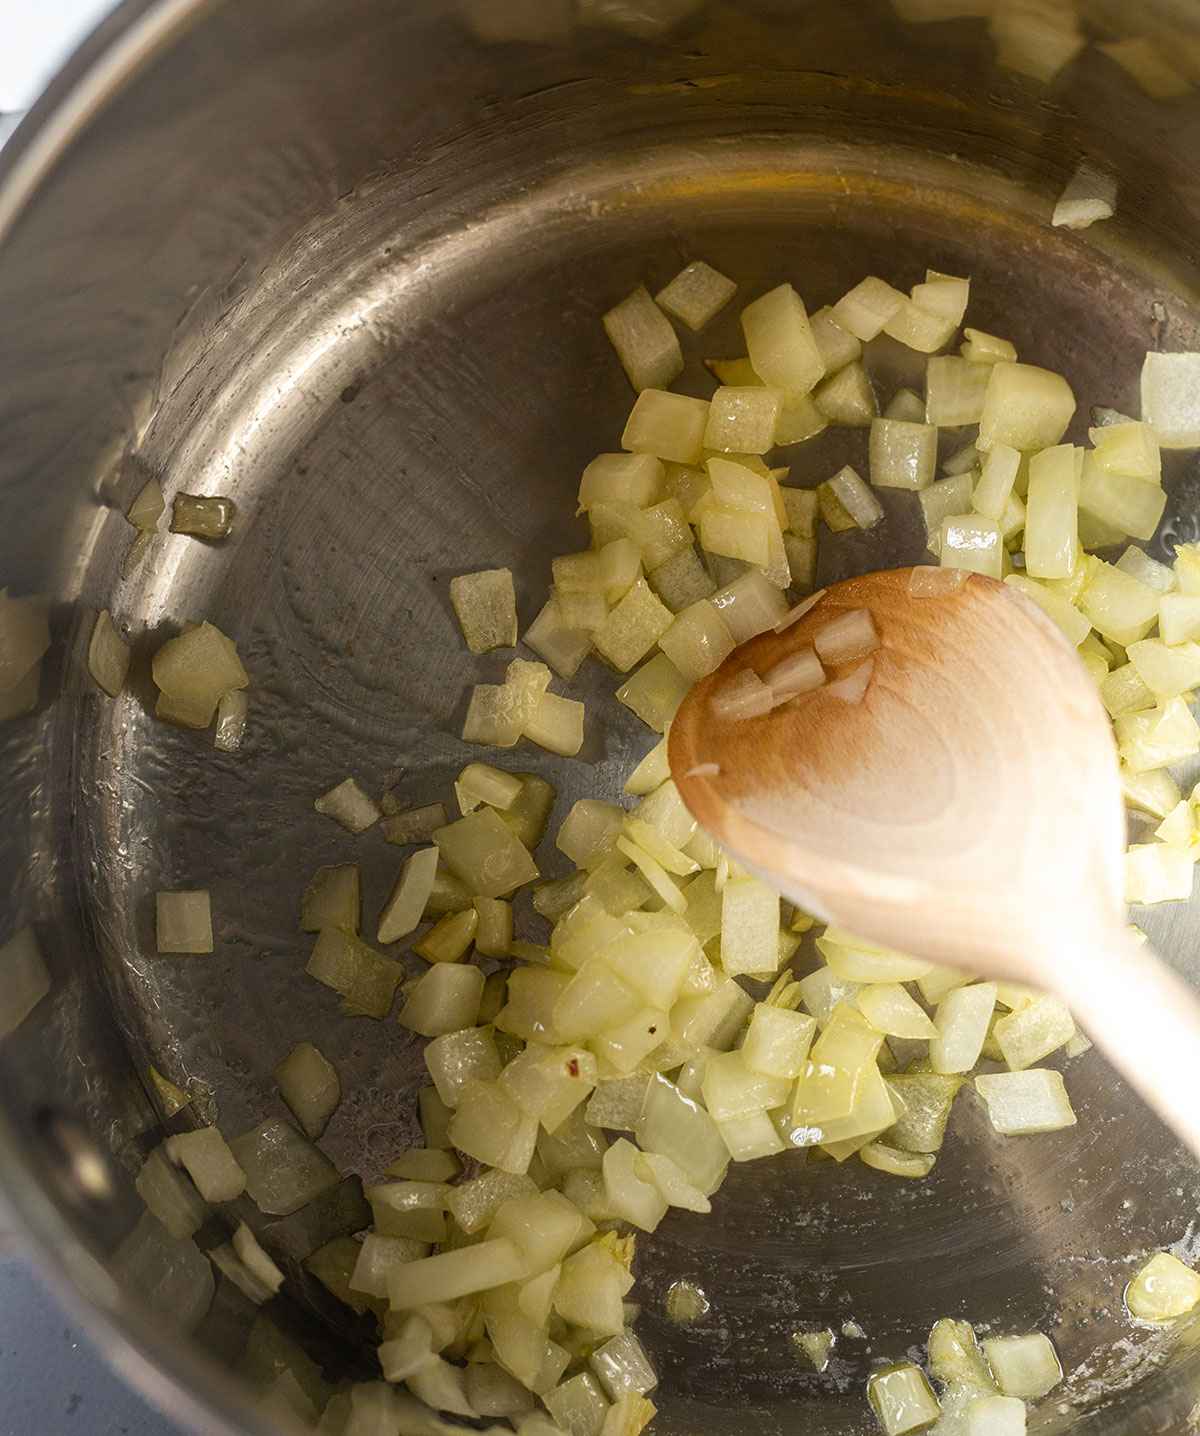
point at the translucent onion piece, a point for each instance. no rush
(743, 696)
(847, 398)
(1025, 407)
(1171, 399)
(902, 1399)
(851, 635)
(485, 853)
(682, 580)
(972, 544)
(183, 922)
(902, 455)
(698, 641)
(750, 605)
(623, 1366)
(798, 673)
(926, 582)
(906, 406)
(1163, 1289)
(348, 805)
(855, 497)
(645, 341)
(983, 348)
(1158, 872)
(962, 1021)
(591, 1289)
(1089, 195)
(486, 608)
(633, 627)
(202, 517)
(232, 709)
(404, 908)
(696, 295)
(655, 692)
(332, 899)
(1023, 1102)
(669, 426)
(742, 420)
(1052, 523)
(650, 772)
(837, 346)
(284, 1171)
(926, 1099)
(147, 508)
(108, 655)
(309, 1084)
(954, 391)
(170, 1196)
(563, 649)
(866, 308)
(453, 1274)
(780, 342)
(918, 327)
(800, 506)
(444, 999)
(626, 478)
(816, 1346)
(209, 1162)
(1024, 1366)
(246, 1245)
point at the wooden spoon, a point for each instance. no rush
(966, 809)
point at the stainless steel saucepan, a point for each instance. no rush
(345, 264)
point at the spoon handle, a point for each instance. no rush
(1147, 1020)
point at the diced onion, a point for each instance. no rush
(851, 635)
(309, 1084)
(696, 295)
(669, 426)
(973, 544)
(1023, 1102)
(780, 341)
(926, 582)
(147, 508)
(902, 455)
(645, 341)
(742, 420)
(108, 655)
(1024, 407)
(743, 696)
(284, 1171)
(750, 605)
(866, 308)
(202, 517)
(847, 398)
(232, 710)
(1163, 1289)
(348, 805)
(1024, 1366)
(902, 1399)
(798, 673)
(403, 909)
(855, 497)
(837, 346)
(184, 921)
(906, 406)
(794, 615)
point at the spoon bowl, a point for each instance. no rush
(963, 804)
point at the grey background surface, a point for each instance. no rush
(53, 1382)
